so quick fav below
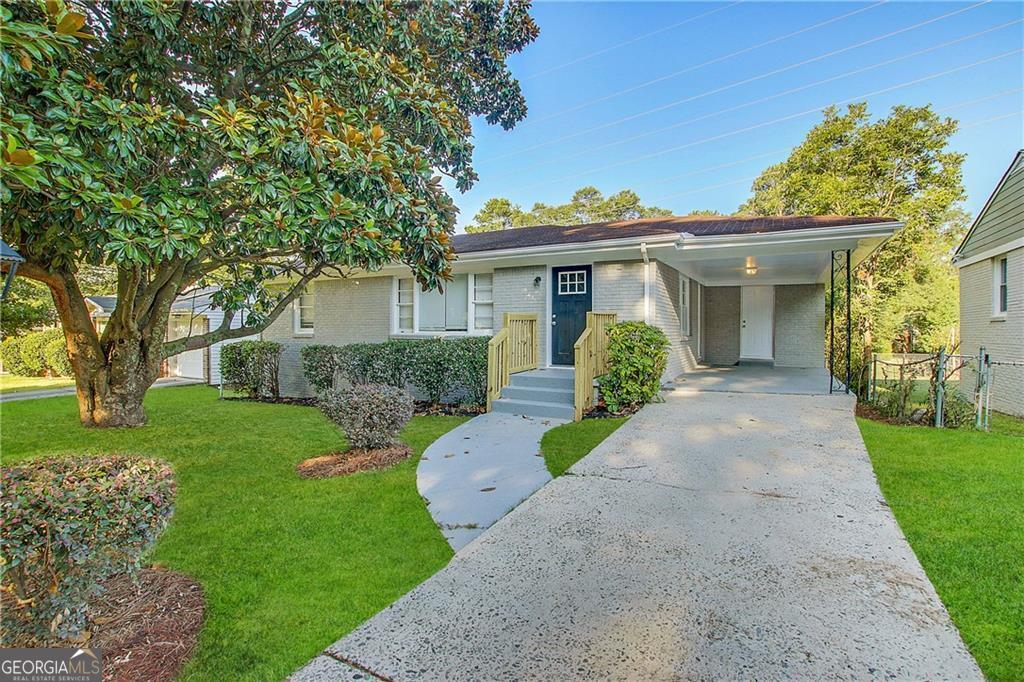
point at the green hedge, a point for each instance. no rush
(437, 368)
(637, 355)
(252, 366)
(37, 353)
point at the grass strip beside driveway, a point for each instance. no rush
(565, 445)
(959, 498)
(288, 565)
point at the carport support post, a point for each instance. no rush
(849, 282)
(831, 322)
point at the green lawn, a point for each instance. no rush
(564, 445)
(288, 565)
(13, 384)
(959, 498)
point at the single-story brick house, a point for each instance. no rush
(724, 289)
(991, 264)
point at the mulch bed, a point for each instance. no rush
(352, 461)
(306, 402)
(147, 631)
(421, 407)
(424, 408)
(602, 412)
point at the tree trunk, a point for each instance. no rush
(110, 393)
(111, 377)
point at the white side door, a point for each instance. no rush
(757, 312)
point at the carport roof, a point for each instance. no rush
(550, 235)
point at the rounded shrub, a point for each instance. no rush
(637, 355)
(371, 415)
(320, 365)
(252, 366)
(10, 350)
(431, 369)
(33, 350)
(55, 351)
(68, 524)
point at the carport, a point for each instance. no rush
(761, 379)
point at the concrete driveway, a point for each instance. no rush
(715, 536)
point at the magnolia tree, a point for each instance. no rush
(190, 143)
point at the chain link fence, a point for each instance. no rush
(941, 389)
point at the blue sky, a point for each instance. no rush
(685, 102)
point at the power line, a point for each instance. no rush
(679, 124)
(699, 66)
(979, 100)
(994, 118)
(586, 57)
(782, 119)
(751, 179)
(767, 74)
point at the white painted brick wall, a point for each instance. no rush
(515, 292)
(1002, 338)
(619, 288)
(344, 311)
(665, 303)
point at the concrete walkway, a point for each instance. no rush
(474, 474)
(70, 390)
(714, 536)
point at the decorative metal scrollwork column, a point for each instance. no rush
(839, 323)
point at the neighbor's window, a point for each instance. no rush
(572, 282)
(304, 313)
(1000, 286)
(684, 305)
(483, 302)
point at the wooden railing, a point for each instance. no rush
(590, 360)
(515, 348)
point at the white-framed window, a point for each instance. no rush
(483, 302)
(572, 282)
(684, 306)
(404, 298)
(465, 306)
(1000, 286)
(302, 309)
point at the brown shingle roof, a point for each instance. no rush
(548, 235)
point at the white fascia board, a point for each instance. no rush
(814, 236)
(570, 249)
(989, 253)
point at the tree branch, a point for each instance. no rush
(224, 332)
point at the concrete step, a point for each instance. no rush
(544, 378)
(560, 396)
(533, 408)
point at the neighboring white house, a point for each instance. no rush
(191, 314)
(991, 264)
(724, 289)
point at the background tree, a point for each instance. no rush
(29, 304)
(588, 205)
(900, 167)
(186, 143)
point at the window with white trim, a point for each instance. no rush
(684, 305)
(404, 301)
(483, 302)
(1000, 286)
(302, 308)
(572, 282)
(466, 305)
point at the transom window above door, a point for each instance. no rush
(572, 282)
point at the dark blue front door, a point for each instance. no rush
(571, 296)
